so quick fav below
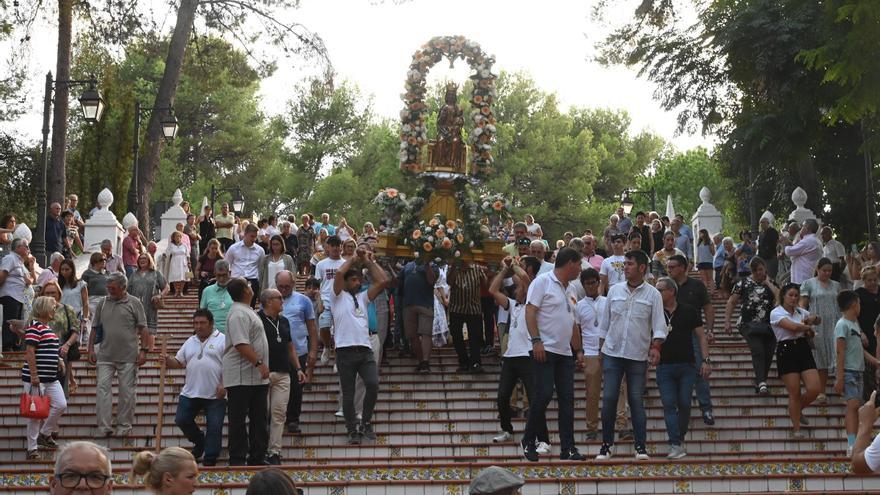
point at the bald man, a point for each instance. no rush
(538, 249)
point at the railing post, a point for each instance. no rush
(160, 413)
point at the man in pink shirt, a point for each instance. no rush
(805, 253)
(131, 248)
(588, 255)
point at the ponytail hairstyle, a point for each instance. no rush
(153, 467)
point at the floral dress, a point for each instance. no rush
(823, 302)
(306, 239)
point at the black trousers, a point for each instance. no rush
(489, 311)
(225, 242)
(513, 370)
(248, 442)
(475, 337)
(11, 311)
(255, 286)
(294, 403)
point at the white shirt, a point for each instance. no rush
(834, 250)
(546, 266)
(352, 328)
(872, 455)
(533, 230)
(589, 315)
(14, 286)
(633, 318)
(612, 267)
(804, 256)
(243, 260)
(555, 313)
(204, 373)
(272, 230)
(520, 343)
(778, 314)
(325, 272)
(272, 269)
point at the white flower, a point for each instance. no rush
(450, 231)
(417, 254)
(477, 131)
(458, 253)
(402, 155)
(471, 244)
(403, 145)
(430, 238)
(437, 260)
(404, 114)
(406, 127)
(490, 128)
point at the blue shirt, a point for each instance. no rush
(298, 310)
(720, 254)
(216, 299)
(55, 232)
(331, 229)
(685, 244)
(416, 289)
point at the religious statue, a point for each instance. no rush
(449, 148)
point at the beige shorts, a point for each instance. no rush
(418, 320)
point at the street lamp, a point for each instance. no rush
(92, 105)
(627, 203)
(237, 198)
(170, 127)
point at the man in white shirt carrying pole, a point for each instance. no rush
(631, 332)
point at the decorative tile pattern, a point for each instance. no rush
(337, 490)
(382, 440)
(395, 452)
(453, 490)
(482, 451)
(769, 422)
(683, 486)
(465, 438)
(712, 435)
(421, 405)
(567, 488)
(309, 452)
(796, 485)
(735, 447)
(435, 414)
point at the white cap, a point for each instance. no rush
(767, 215)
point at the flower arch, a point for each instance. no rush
(413, 133)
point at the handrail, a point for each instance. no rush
(160, 414)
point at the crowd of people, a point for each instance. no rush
(610, 306)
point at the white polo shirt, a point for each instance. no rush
(519, 344)
(352, 328)
(555, 313)
(589, 316)
(633, 317)
(204, 365)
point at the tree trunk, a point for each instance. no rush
(154, 143)
(57, 173)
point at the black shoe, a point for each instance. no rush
(708, 418)
(486, 350)
(530, 453)
(427, 369)
(477, 368)
(198, 451)
(572, 455)
(354, 438)
(625, 434)
(606, 451)
(293, 427)
(420, 367)
(367, 431)
(46, 442)
(274, 460)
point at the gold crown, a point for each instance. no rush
(451, 86)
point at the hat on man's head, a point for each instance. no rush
(494, 479)
(767, 216)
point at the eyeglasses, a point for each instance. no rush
(283, 286)
(71, 479)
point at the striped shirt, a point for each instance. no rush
(464, 297)
(45, 343)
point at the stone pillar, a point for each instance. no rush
(706, 217)
(173, 216)
(103, 225)
(799, 198)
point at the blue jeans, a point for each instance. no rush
(556, 371)
(701, 385)
(676, 384)
(215, 413)
(613, 369)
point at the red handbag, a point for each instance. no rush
(34, 406)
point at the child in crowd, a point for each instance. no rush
(313, 292)
(851, 357)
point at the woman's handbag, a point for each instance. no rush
(34, 406)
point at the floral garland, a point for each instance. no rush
(439, 239)
(413, 133)
(394, 204)
(470, 215)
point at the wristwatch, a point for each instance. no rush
(258, 363)
(536, 340)
(707, 360)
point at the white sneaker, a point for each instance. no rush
(325, 356)
(542, 448)
(676, 452)
(502, 437)
(339, 414)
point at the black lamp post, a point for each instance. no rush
(170, 126)
(92, 105)
(237, 198)
(627, 203)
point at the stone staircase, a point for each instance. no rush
(435, 433)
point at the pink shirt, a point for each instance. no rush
(130, 250)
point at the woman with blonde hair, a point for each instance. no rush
(66, 325)
(40, 374)
(171, 472)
